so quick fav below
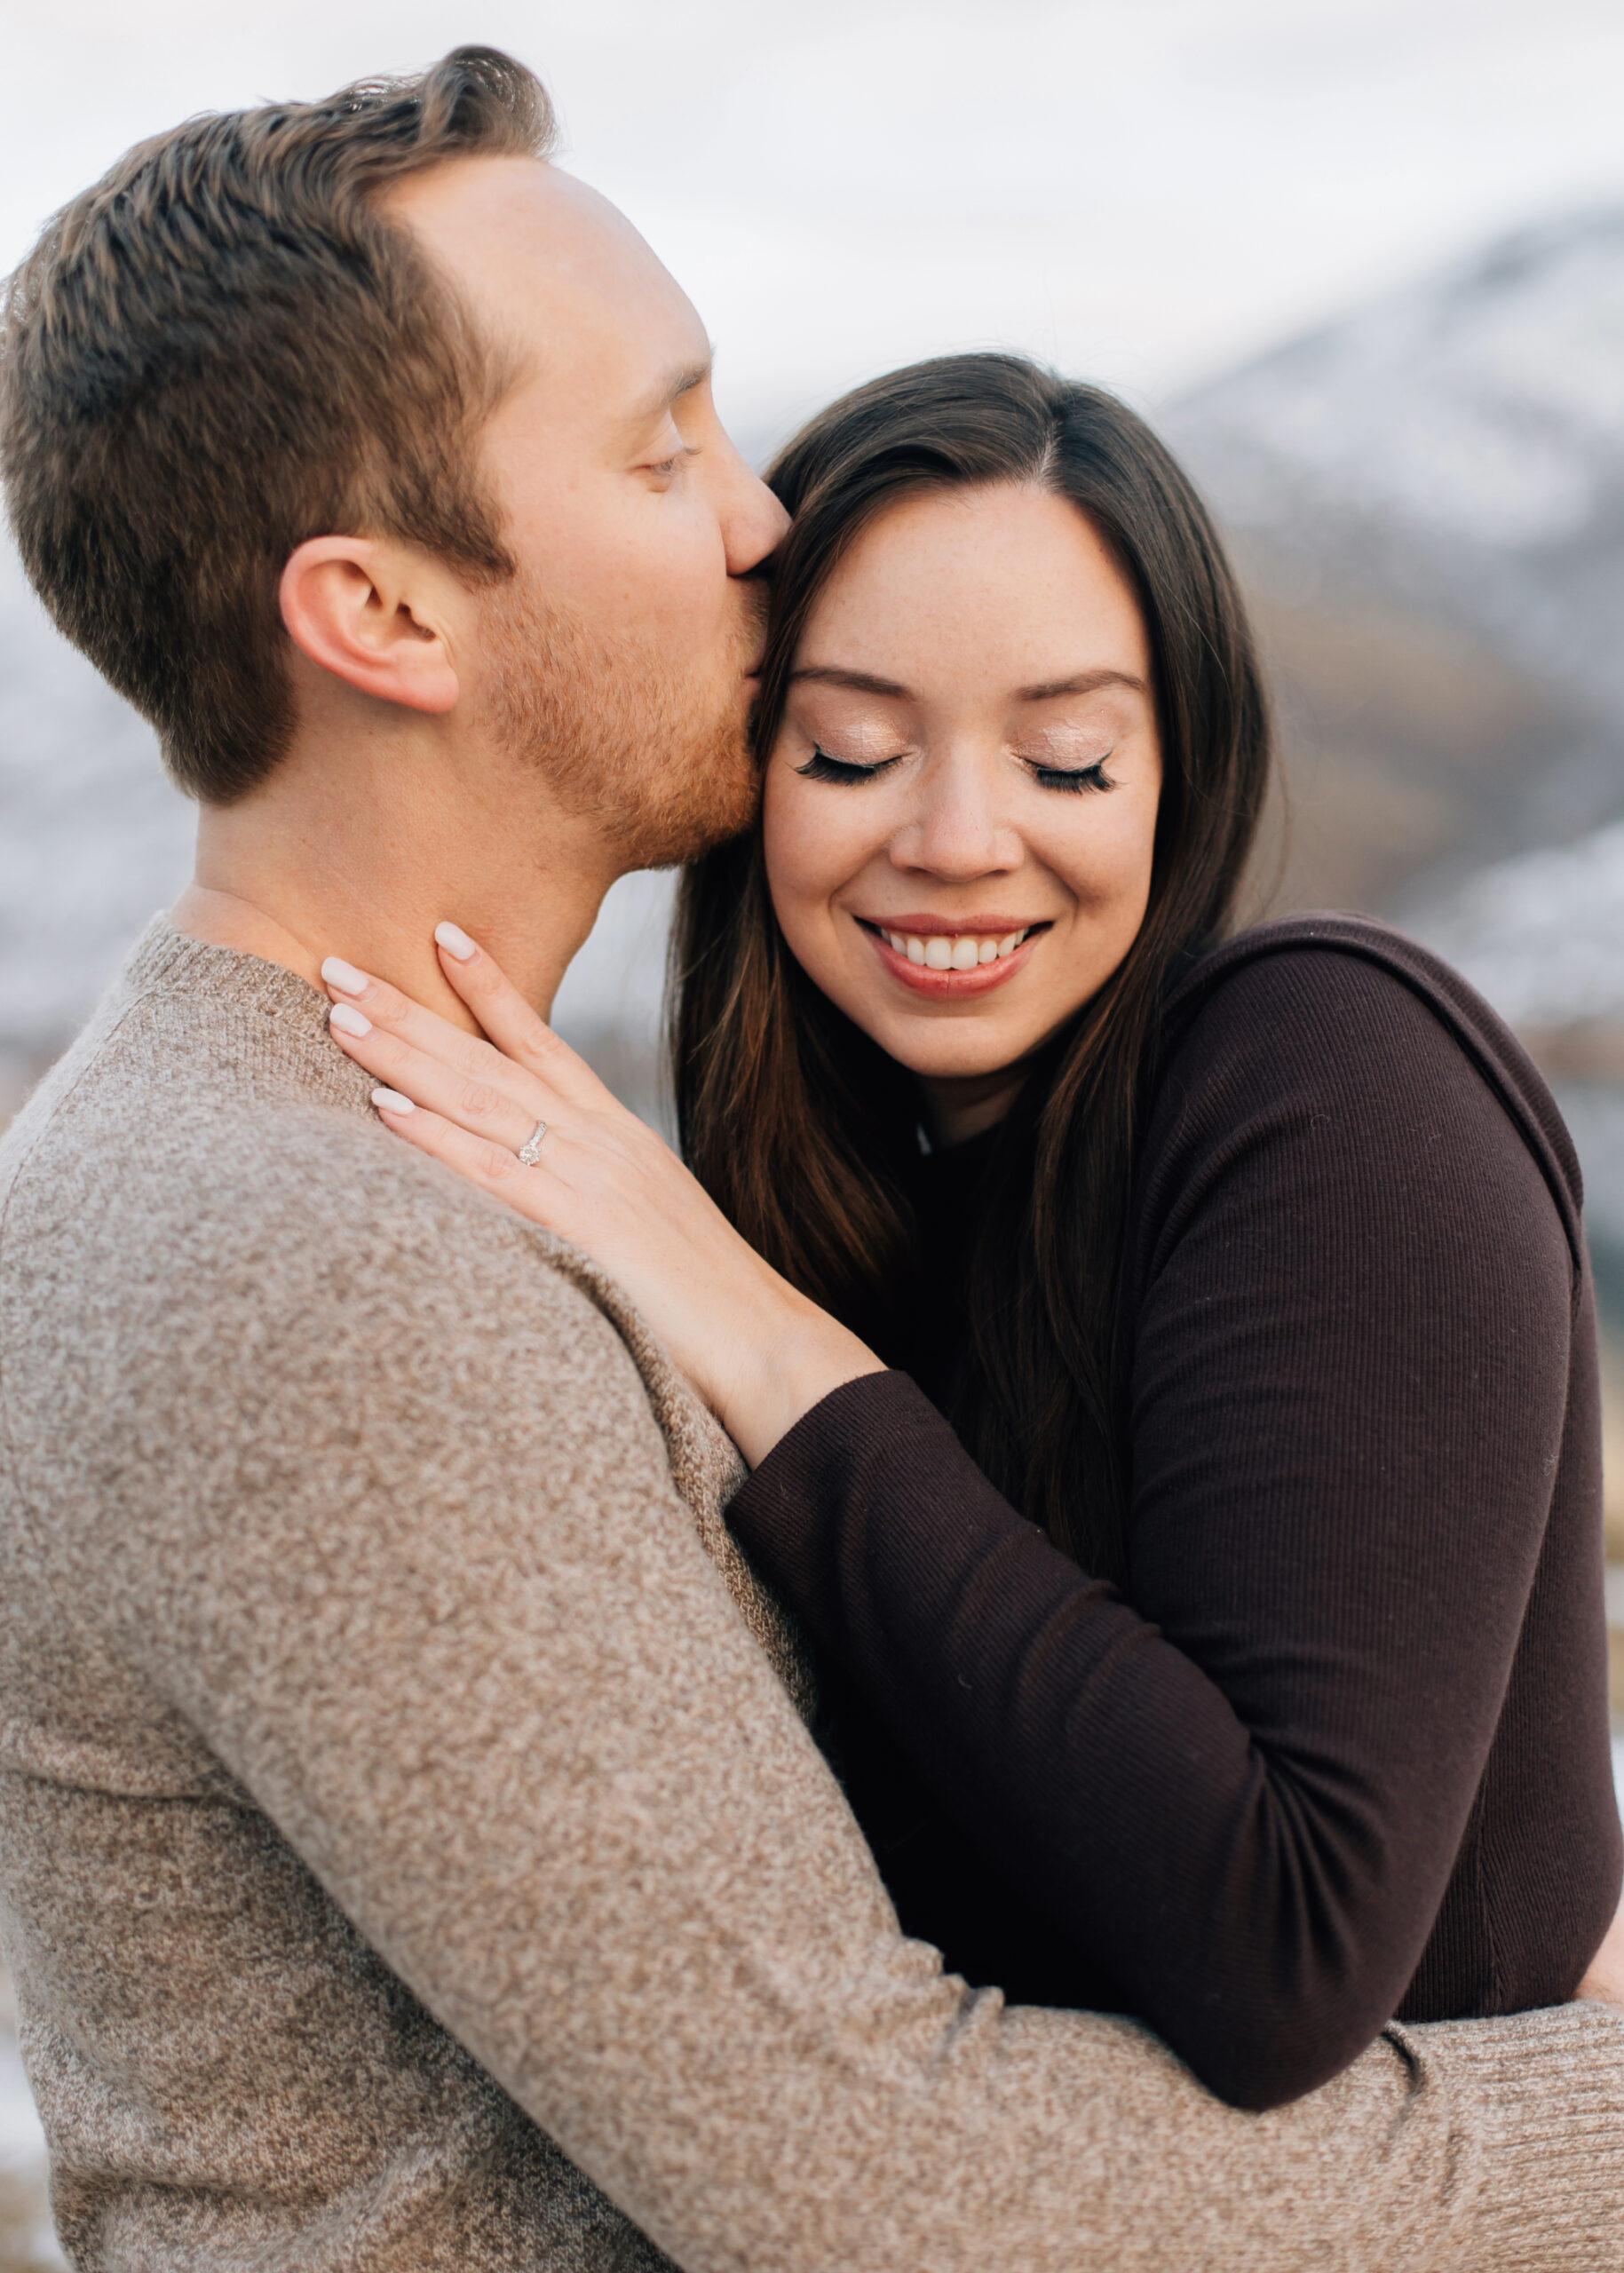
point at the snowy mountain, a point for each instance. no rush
(1428, 497)
(1457, 448)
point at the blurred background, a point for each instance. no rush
(1363, 262)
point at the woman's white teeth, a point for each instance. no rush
(961, 952)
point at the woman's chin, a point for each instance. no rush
(954, 1051)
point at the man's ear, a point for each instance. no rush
(371, 614)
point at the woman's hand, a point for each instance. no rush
(1606, 1977)
(759, 1353)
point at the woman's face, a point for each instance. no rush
(961, 804)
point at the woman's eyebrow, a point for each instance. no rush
(1080, 683)
(857, 681)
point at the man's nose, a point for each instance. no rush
(753, 522)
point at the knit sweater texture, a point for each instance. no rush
(411, 1853)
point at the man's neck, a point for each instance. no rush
(301, 871)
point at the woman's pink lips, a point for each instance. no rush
(945, 985)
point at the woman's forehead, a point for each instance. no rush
(1004, 580)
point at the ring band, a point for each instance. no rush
(530, 1151)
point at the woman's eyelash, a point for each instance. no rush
(821, 767)
(1075, 777)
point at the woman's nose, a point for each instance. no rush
(956, 832)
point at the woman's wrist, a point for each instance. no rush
(1605, 1977)
(799, 1357)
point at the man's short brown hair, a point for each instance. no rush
(224, 349)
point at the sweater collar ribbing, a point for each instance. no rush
(167, 961)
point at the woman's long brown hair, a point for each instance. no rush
(800, 1125)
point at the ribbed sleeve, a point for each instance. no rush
(1562, 2199)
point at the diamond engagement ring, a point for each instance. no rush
(530, 1151)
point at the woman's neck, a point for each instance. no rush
(961, 1105)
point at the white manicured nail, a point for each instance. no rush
(348, 1019)
(455, 942)
(391, 1101)
(345, 976)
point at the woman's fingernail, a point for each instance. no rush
(391, 1101)
(348, 1019)
(455, 942)
(345, 976)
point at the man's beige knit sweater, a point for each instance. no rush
(409, 1849)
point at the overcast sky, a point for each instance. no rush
(1142, 191)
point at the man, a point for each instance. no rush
(411, 1855)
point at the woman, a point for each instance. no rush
(1250, 1274)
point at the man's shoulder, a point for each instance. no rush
(216, 1259)
(169, 1166)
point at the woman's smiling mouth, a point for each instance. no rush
(931, 958)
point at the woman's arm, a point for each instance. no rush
(1245, 1795)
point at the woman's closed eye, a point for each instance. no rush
(1073, 778)
(823, 765)
(820, 766)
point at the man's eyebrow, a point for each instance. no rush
(1080, 683)
(856, 682)
(671, 389)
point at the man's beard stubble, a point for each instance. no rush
(662, 764)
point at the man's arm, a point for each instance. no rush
(437, 1603)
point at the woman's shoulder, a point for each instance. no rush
(1352, 1008)
(1355, 956)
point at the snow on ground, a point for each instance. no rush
(27, 2241)
(1542, 935)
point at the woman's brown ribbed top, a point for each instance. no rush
(1342, 1752)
